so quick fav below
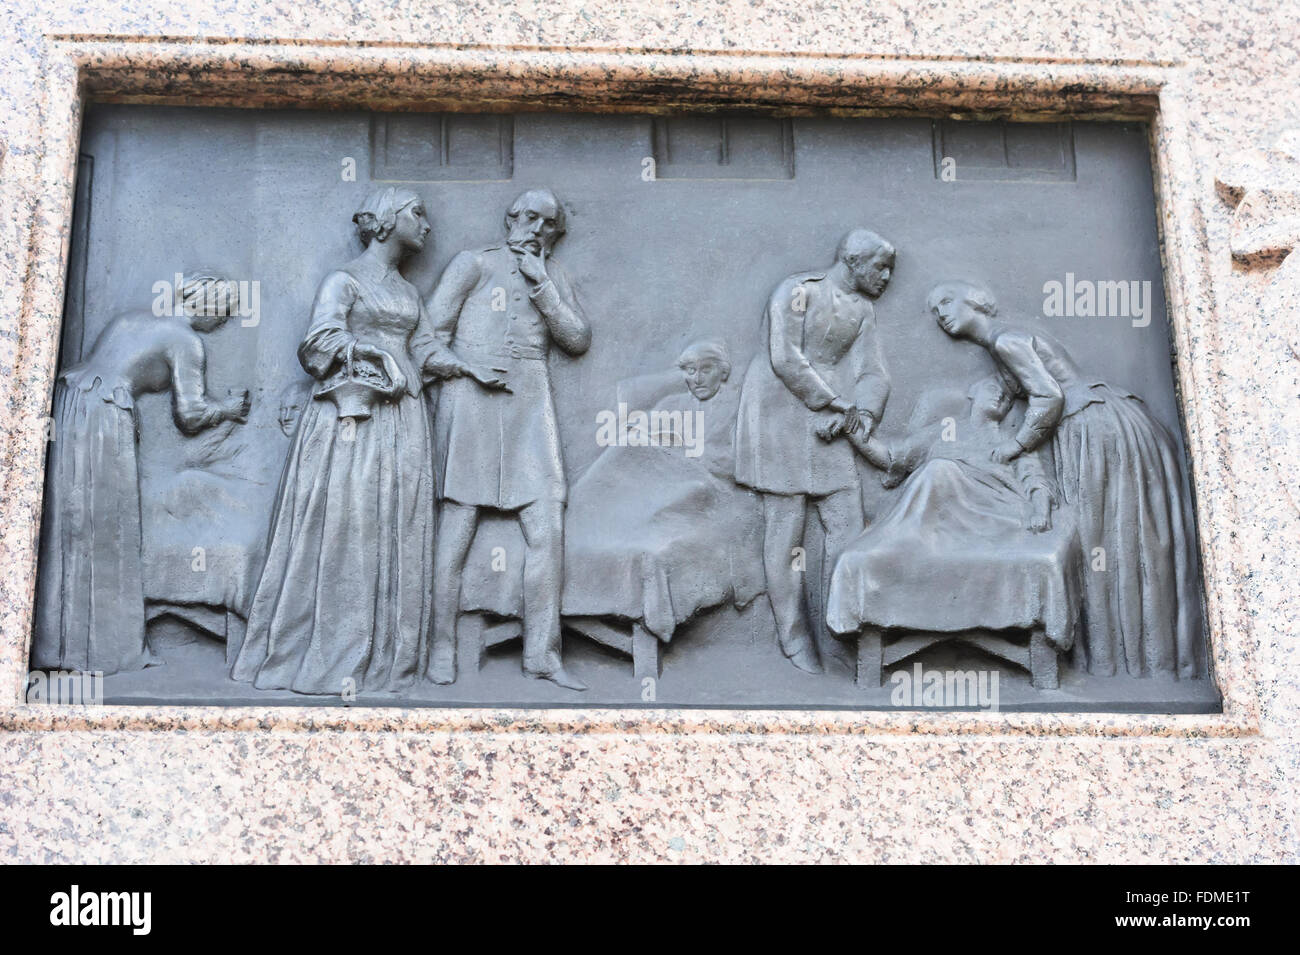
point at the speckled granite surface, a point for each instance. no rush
(165, 784)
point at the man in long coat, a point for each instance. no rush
(820, 377)
(496, 312)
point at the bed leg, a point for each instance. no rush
(1044, 663)
(871, 657)
(646, 660)
(469, 642)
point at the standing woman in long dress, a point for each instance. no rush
(344, 601)
(1119, 474)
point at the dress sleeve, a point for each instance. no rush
(328, 336)
(1033, 475)
(192, 409)
(1019, 359)
(423, 342)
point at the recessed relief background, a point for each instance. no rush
(582, 410)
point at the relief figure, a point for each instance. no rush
(343, 603)
(818, 378)
(658, 531)
(495, 313)
(90, 604)
(1119, 475)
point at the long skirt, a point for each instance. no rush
(345, 599)
(90, 591)
(1119, 472)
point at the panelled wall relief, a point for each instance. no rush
(715, 409)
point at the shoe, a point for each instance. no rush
(806, 659)
(441, 673)
(560, 677)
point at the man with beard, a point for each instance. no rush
(496, 312)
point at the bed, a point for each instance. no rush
(653, 539)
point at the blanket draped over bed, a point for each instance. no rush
(651, 534)
(953, 554)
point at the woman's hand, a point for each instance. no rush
(1038, 512)
(1007, 451)
(237, 405)
(393, 370)
(849, 419)
(398, 387)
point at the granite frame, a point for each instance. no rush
(222, 72)
(84, 68)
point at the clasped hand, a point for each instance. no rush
(1007, 451)
(387, 361)
(848, 420)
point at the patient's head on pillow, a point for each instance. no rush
(705, 365)
(990, 399)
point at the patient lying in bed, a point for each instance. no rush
(656, 530)
(969, 543)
